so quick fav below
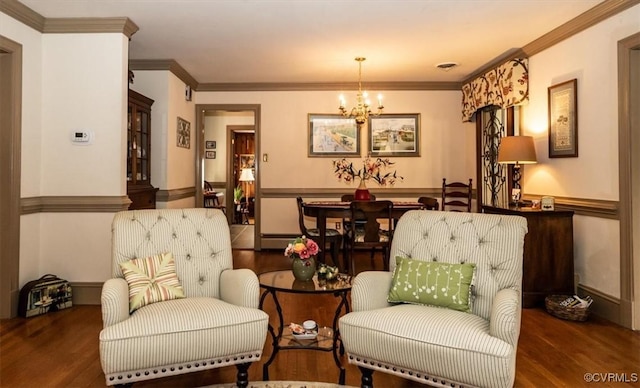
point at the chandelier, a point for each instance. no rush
(362, 110)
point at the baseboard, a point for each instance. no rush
(276, 241)
(604, 306)
(86, 292)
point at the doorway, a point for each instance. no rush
(10, 151)
(228, 147)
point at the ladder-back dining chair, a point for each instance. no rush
(332, 236)
(346, 222)
(366, 232)
(456, 196)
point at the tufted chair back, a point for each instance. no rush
(493, 242)
(199, 240)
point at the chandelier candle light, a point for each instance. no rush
(362, 110)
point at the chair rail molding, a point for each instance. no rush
(74, 204)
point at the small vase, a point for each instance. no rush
(362, 193)
(302, 271)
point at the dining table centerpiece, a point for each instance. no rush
(303, 251)
(372, 169)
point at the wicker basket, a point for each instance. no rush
(552, 303)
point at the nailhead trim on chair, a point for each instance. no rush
(413, 375)
(175, 369)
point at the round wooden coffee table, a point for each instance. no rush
(328, 337)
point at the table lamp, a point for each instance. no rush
(517, 150)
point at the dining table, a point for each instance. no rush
(322, 210)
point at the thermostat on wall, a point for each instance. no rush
(81, 137)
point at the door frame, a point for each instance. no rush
(10, 174)
(628, 140)
(201, 109)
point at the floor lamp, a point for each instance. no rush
(246, 176)
(517, 150)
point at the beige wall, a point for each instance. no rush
(83, 88)
(447, 146)
(589, 56)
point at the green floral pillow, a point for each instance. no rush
(432, 283)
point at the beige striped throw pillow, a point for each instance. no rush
(152, 279)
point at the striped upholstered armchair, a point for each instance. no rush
(175, 304)
(455, 286)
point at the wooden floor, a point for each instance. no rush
(61, 349)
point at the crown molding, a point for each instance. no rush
(90, 25)
(31, 18)
(23, 14)
(580, 23)
(319, 86)
(74, 204)
(164, 64)
(589, 18)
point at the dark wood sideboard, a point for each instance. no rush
(548, 253)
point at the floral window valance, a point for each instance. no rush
(504, 86)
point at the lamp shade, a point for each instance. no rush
(517, 150)
(246, 175)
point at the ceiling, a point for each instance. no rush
(309, 41)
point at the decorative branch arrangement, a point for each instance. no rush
(373, 169)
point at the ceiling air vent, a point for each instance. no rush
(446, 66)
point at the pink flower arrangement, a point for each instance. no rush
(302, 248)
(371, 169)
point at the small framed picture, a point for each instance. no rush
(210, 154)
(563, 120)
(210, 144)
(184, 133)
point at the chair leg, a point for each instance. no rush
(242, 378)
(352, 258)
(385, 258)
(335, 254)
(367, 377)
(345, 256)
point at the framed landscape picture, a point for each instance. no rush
(394, 135)
(563, 120)
(332, 135)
